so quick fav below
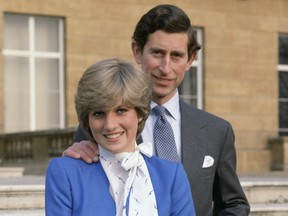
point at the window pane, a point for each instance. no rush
(16, 87)
(283, 84)
(47, 93)
(284, 133)
(283, 49)
(188, 88)
(16, 32)
(283, 114)
(283, 102)
(46, 34)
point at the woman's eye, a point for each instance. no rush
(121, 110)
(98, 114)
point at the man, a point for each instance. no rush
(164, 44)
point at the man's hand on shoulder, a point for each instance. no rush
(85, 149)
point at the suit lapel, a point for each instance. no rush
(191, 139)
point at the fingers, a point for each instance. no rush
(92, 151)
(71, 152)
(86, 150)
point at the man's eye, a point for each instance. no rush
(177, 55)
(157, 53)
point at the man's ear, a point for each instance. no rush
(137, 52)
(189, 63)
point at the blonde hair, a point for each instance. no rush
(107, 83)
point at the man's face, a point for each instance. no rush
(165, 59)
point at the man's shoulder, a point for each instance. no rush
(195, 113)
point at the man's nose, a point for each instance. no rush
(165, 65)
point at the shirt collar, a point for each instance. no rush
(172, 106)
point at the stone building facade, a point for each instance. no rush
(240, 57)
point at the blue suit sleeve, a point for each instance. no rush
(58, 199)
(182, 202)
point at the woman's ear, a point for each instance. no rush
(137, 52)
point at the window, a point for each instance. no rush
(283, 84)
(191, 89)
(33, 73)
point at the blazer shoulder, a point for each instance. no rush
(68, 161)
(71, 165)
(161, 167)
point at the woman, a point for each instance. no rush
(112, 105)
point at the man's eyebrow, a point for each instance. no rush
(178, 52)
(157, 49)
(173, 52)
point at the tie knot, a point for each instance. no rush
(159, 110)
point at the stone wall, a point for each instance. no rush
(240, 57)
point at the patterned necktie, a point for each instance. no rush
(164, 140)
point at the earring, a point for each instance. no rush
(139, 120)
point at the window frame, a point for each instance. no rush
(32, 54)
(198, 64)
(281, 68)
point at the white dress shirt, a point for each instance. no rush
(173, 117)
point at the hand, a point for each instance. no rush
(85, 149)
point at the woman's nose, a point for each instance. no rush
(110, 122)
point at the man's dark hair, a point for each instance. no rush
(167, 18)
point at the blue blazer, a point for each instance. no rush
(74, 187)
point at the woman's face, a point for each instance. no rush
(115, 129)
